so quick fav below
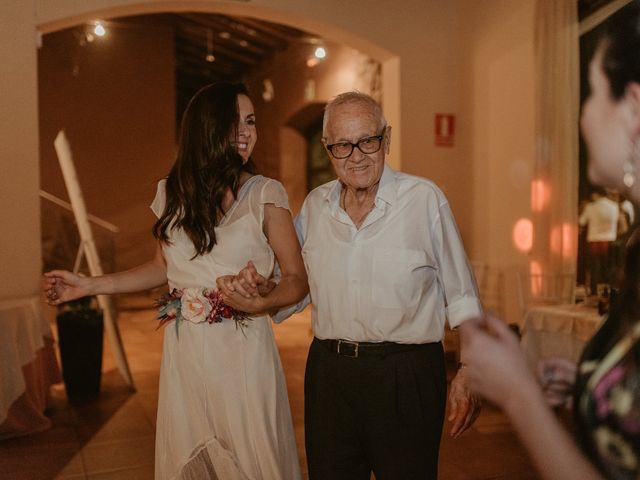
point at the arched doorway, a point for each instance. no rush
(390, 97)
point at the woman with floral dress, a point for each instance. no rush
(606, 382)
(223, 411)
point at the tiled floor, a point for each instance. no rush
(112, 438)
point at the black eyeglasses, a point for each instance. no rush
(366, 145)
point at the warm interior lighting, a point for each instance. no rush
(536, 280)
(319, 54)
(210, 57)
(99, 30)
(523, 235)
(225, 35)
(267, 90)
(540, 195)
(563, 240)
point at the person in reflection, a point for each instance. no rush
(600, 217)
(605, 385)
(223, 411)
(386, 269)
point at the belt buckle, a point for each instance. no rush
(352, 350)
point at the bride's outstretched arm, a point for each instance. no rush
(62, 286)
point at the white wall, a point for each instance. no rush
(497, 89)
(116, 103)
(19, 175)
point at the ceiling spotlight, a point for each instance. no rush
(320, 53)
(99, 30)
(210, 57)
(244, 43)
(225, 35)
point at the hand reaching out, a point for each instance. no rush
(62, 286)
(496, 365)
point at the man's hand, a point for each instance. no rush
(464, 406)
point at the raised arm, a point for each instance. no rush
(62, 286)
(498, 370)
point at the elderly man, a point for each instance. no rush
(386, 267)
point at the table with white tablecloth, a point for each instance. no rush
(558, 331)
(28, 367)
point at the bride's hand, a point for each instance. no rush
(247, 283)
(62, 286)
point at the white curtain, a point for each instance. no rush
(554, 188)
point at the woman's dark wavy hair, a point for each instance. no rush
(628, 302)
(621, 49)
(207, 164)
(621, 65)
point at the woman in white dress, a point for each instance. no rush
(223, 411)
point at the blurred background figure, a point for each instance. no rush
(600, 217)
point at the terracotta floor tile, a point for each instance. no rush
(39, 463)
(102, 457)
(144, 472)
(128, 422)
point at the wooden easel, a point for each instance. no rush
(88, 248)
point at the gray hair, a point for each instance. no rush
(353, 97)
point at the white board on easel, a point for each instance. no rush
(90, 252)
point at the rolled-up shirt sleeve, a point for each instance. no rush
(458, 282)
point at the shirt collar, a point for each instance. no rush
(387, 189)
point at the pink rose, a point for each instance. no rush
(195, 307)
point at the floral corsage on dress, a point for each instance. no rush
(197, 305)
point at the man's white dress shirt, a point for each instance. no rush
(398, 277)
(601, 218)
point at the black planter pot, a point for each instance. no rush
(80, 334)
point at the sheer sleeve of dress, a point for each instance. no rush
(157, 206)
(273, 193)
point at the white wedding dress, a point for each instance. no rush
(223, 410)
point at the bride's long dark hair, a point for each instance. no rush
(207, 164)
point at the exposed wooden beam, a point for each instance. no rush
(282, 32)
(240, 44)
(184, 47)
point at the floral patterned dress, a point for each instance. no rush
(223, 410)
(607, 404)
